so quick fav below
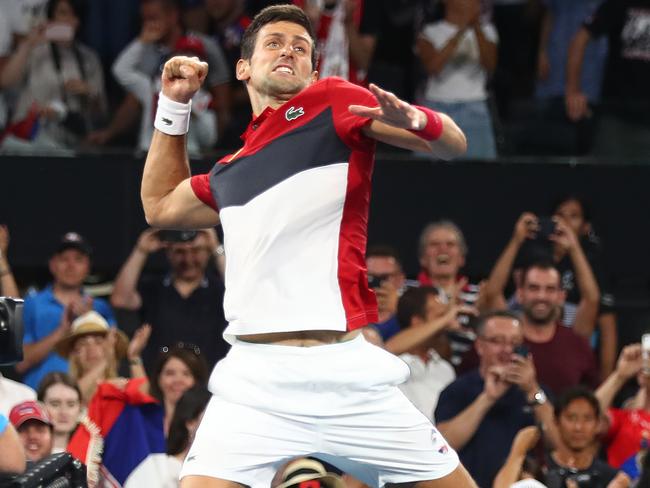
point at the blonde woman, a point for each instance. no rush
(94, 349)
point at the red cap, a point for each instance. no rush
(29, 410)
(192, 45)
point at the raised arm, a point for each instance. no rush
(401, 124)
(587, 311)
(8, 285)
(493, 291)
(167, 196)
(125, 290)
(629, 364)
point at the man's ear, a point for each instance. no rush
(314, 76)
(242, 70)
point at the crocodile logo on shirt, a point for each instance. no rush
(293, 113)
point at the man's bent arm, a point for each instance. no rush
(451, 144)
(459, 430)
(167, 196)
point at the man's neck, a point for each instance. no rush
(185, 287)
(443, 281)
(260, 101)
(574, 459)
(65, 294)
(539, 333)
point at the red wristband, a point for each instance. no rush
(433, 130)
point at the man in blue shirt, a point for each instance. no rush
(47, 315)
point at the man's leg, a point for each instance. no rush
(458, 478)
(194, 481)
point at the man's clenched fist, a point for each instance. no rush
(182, 77)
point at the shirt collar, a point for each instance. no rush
(256, 122)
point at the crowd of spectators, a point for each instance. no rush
(521, 371)
(520, 77)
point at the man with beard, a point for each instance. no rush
(185, 305)
(562, 357)
(481, 411)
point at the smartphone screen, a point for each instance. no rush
(58, 31)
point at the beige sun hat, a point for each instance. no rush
(86, 324)
(307, 469)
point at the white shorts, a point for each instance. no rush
(337, 402)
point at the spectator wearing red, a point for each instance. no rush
(35, 428)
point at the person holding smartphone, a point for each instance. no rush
(60, 83)
(481, 412)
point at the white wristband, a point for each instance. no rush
(172, 118)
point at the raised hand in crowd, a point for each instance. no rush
(149, 242)
(8, 286)
(496, 383)
(629, 364)
(134, 352)
(521, 372)
(493, 297)
(511, 471)
(412, 337)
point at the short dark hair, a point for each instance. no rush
(582, 200)
(56, 378)
(77, 6)
(413, 303)
(576, 393)
(189, 407)
(383, 251)
(166, 4)
(544, 265)
(270, 15)
(482, 321)
(189, 356)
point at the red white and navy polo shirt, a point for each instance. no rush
(293, 203)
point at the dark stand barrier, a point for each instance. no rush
(41, 198)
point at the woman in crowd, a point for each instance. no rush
(62, 399)
(178, 369)
(59, 82)
(93, 349)
(187, 416)
(628, 435)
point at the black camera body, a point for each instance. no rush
(11, 330)
(557, 478)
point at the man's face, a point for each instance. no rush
(497, 342)
(37, 440)
(541, 296)
(386, 268)
(189, 260)
(578, 425)
(281, 62)
(442, 255)
(571, 212)
(70, 268)
(158, 18)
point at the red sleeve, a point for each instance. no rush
(201, 187)
(348, 126)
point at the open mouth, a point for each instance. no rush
(283, 68)
(443, 259)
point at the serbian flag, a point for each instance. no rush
(121, 439)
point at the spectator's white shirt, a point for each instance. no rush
(463, 78)
(427, 380)
(22, 15)
(12, 393)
